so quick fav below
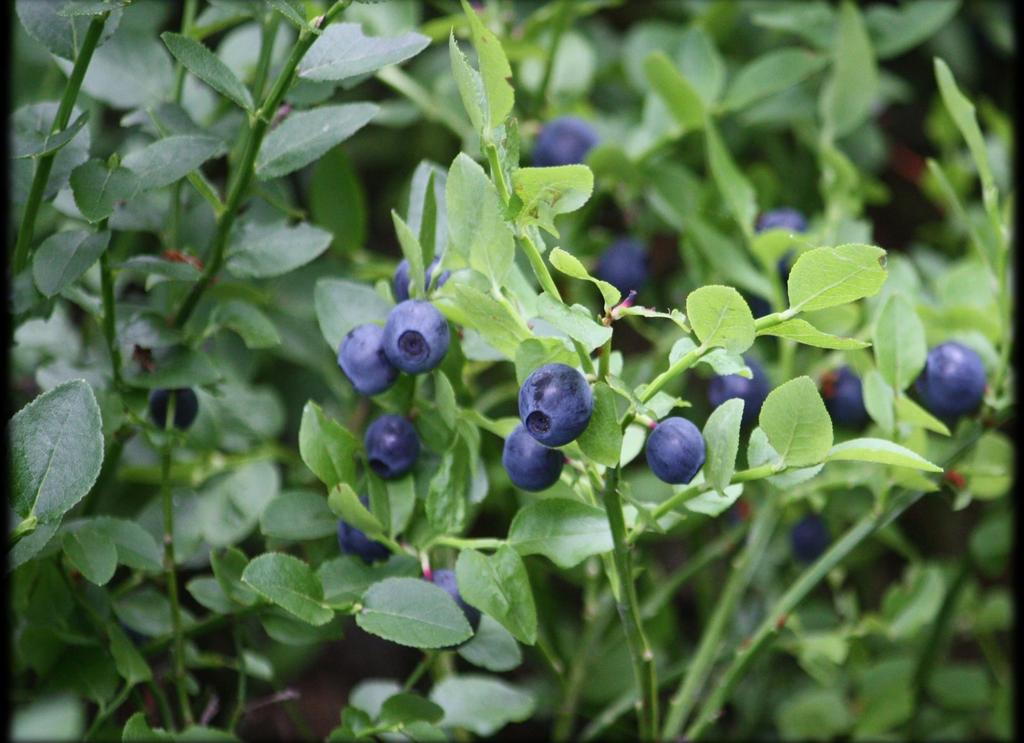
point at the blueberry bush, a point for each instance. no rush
(570, 370)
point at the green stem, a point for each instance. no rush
(109, 315)
(23, 529)
(685, 698)
(236, 715)
(199, 628)
(45, 163)
(169, 567)
(629, 611)
(107, 710)
(594, 624)
(242, 175)
(561, 23)
(174, 224)
(422, 667)
(482, 543)
(268, 32)
(433, 109)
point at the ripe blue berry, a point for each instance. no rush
(530, 466)
(623, 264)
(782, 219)
(675, 450)
(361, 356)
(952, 382)
(753, 391)
(416, 336)
(186, 407)
(353, 541)
(809, 538)
(555, 404)
(400, 282)
(844, 398)
(392, 446)
(445, 579)
(563, 141)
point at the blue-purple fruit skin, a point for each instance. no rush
(361, 357)
(784, 218)
(400, 281)
(392, 446)
(555, 404)
(416, 336)
(675, 450)
(529, 464)
(445, 578)
(952, 382)
(623, 264)
(353, 541)
(844, 397)
(752, 391)
(186, 407)
(563, 141)
(809, 538)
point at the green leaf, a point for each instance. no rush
(878, 400)
(714, 502)
(899, 342)
(722, 439)
(97, 190)
(345, 504)
(565, 531)
(292, 10)
(228, 566)
(470, 85)
(472, 308)
(205, 65)
(428, 215)
(813, 713)
(337, 201)
(731, 183)
(962, 111)
(989, 469)
(169, 159)
(495, 72)
(255, 328)
(346, 578)
(492, 647)
(135, 546)
(91, 553)
(405, 708)
(446, 497)
(882, 451)
(546, 193)
(576, 321)
(827, 277)
(413, 253)
(802, 331)
(56, 451)
(679, 96)
(327, 447)
(64, 256)
(479, 235)
(847, 96)
(480, 704)
(728, 258)
(499, 586)
(183, 368)
(413, 612)
(131, 70)
(298, 515)
(719, 316)
(571, 266)
(797, 425)
(961, 687)
(601, 440)
(535, 352)
(46, 22)
(48, 143)
(343, 51)
(258, 251)
(306, 135)
(342, 305)
(895, 30)
(289, 583)
(912, 605)
(230, 505)
(769, 74)
(128, 660)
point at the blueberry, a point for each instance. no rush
(752, 391)
(555, 404)
(623, 264)
(952, 382)
(563, 141)
(391, 446)
(186, 407)
(445, 579)
(844, 398)
(416, 336)
(353, 541)
(809, 538)
(675, 450)
(400, 282)
(530, 466)
(361, 356)
(782, 219)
